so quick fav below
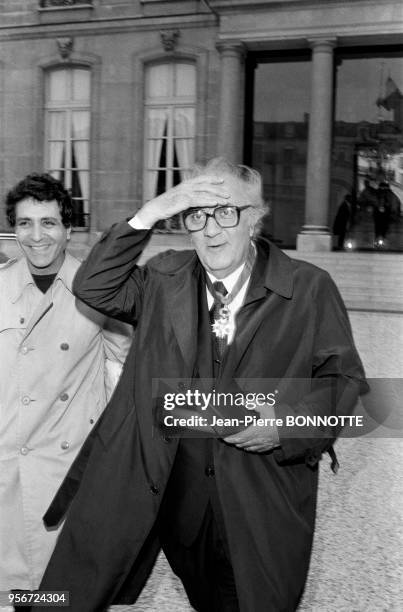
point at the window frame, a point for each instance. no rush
(170, 105)
(76, 59)
(140, 61)
(68, 107)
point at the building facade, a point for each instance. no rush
(118, 98)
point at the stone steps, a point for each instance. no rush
(367, 281)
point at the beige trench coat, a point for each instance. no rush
(52, 390)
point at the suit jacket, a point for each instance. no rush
(292, 327)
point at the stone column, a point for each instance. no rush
(231, 112)
(315, 235)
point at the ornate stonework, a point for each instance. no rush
(169, 39)
(65, 46)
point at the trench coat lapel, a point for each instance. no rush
(181, 291)
(42, 308)
(65, 275)
(23, 283)
(272, 275)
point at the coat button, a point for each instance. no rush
(154, 490)
(24, 450)
(92, 421)
(209, 471)
(64, 346)
(22, 320)
(24, 350)
(64, 445)
(64, 397)
(25, 400)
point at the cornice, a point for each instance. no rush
(346, 35)
(100, 27)
(240, 6)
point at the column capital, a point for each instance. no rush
(322, 43)
(231, 47)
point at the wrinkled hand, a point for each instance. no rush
(198, 191)
(257, 438)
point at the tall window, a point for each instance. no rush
(277, 116)
(368, 146)
(67, 129)
(170, 98)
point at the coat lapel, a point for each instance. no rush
(23, 289)
(183, 307)
(66, 275)
(272, 275)
(41, 309)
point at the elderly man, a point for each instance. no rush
(52, 377)
(233, 509)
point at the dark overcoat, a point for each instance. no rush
(292, 325)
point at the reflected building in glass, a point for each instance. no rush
(366, 148)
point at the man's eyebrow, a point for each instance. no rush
(194, 208)
(50, 218)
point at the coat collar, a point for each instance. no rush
(21, 278)
(273, 269)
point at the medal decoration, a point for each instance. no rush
(221, 326)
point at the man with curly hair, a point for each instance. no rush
(54, 354)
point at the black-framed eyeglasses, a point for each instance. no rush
(195, 219)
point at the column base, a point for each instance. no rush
(314, 242)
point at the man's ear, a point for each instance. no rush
(253, 220)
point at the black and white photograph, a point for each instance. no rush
(201, 305)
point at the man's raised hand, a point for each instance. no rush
(195, 192)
